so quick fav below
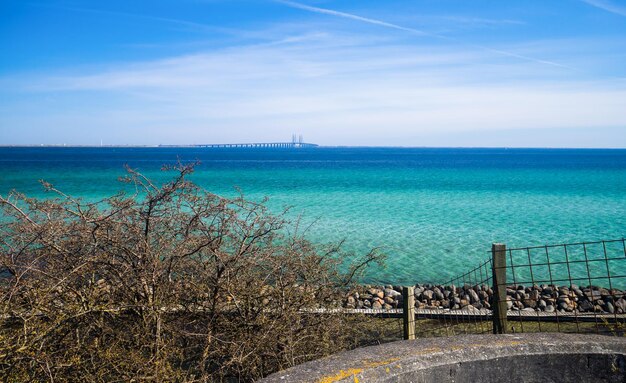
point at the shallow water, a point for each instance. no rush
(435, 212)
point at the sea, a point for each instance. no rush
(433, 211)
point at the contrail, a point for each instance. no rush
(418, 32)
(607, 6)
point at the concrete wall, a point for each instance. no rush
(473, 358)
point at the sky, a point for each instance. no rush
(480, 73)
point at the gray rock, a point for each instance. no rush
(621, 304)
(438, 294)
(391, 293)
(564, 306)
(428, 294)
(610, 308)
(549, 309)
(473, 296)
(584, 306)
(541, 304)
(564, 299)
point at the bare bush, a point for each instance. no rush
(169, 284)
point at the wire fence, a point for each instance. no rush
(575, 287)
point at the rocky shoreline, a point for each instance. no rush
(545, 298)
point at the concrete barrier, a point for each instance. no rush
(474, 358)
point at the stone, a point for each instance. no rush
(541, 304)
(438, 294)
(609, 308)
(359, 304)
(427, 294)
(387, 306)
(584, 306)
(534, 295)
(564, 299)
(530, 303)
(564, 306)
(376, 305)
(594, 295)
(350, 302)
(621, 304)
(549, 309)
(391, 293)
(598, 308)
(367, 304)
(389, 300)
(473, 296)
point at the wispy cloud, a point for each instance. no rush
(419, 32)
(607, 6)
(327, 87)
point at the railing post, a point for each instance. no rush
(498, 252)
(408, 312)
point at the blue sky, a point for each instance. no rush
(390, 73)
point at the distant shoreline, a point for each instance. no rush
(231, 146)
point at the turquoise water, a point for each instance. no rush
(435, 212)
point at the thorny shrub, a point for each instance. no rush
(171, 283)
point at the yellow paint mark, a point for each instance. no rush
(342, 374)
(387, 370)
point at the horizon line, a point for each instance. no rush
(199, 146)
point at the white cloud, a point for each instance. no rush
(333, 88)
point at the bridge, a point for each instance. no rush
(295, 143)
